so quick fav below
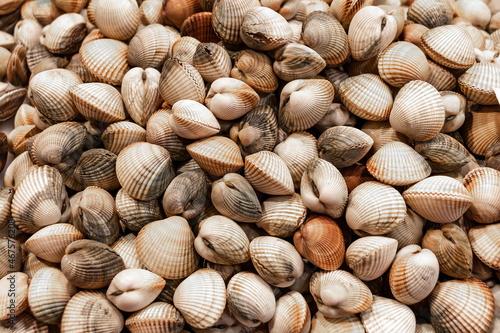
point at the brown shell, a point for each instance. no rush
(199, 26)
(216, 155)
(430, 13)
(479, 81)
(106, 59)
(180, 80)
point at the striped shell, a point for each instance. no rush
(430, 13)
(282, 215)
(116, 18)
(483, 184)
(119, 135)
(192, 120)
(156, 316)
(268, 173)
(180, 80)
(106, 59)
(98, 102)
(479, 81)
(348, 324)
(292, 314)
(388, 315)
(485, 240)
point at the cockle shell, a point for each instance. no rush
(227, 17)
(201, 298)
(76, 65)
(6, 195)
(15, 291)
(17, 67)
(170, 252)
(117, 19)
(17, 170)
(28, 33)
(308, 7)
(339, 293)
(268, 173)
(26, 322)
(483, 184)
(156, 316)
(374, 208)
(180, 80)
(230, 98)
(11, 254)
(440, 199)
(256, 70)
(413, 32)
(126, 249)
(199, 26)
(454, 105)
(480, 130)
(443, 153)
(408, 232)
(10, 102)
(98, 102)
(18, 138)
(105, 59)
(484, 240)
(440, 77)
(369, 257)
(388, 315)
(295, 61)
(282, 215)
(63, 36)
(192, 120)
(96, 167)
(430, 13)
(348, 324)
(344, 10)
(382, 133)
(479, 81)
(292, 314)
(150, 47)
(184, 49)
(119, 135)
(216, 155)
(186, 195)
(337, 115)
(212, 61)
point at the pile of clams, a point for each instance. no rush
(239, 166)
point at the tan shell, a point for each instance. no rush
(451, 246)
(479, 81)
(339, 293)
(18, 138)
(125, 247)
(17, 68)
(150, 47)
(455, 105)
(216, 155)
(408, 232)
(201, 298)
(344, 10)
(374, 208)
(63, 36)
(320, 241)
(296, 61)
(370, 257)
(26, 322)
(105, 59)
(186, 194)
(256, 70)
(180, 80)
(227, 17)
(440, 77)
(156, 316)
(96, 167)
(50, 242)
(370, 32)
(184, 49)
(212, 61)
(388, 315)
(292, 314)
(484, 240)
(480, 130)
(192, 120)
(166, 248)
(282, 215)
(25, 115)
(430, 13)
(15, 291)
(483, 184)
(98, 102)
(413, 32)
(90, 310)
(7, 253)
(178, 10)
(76, 65)
(443, 153)
(48, 295)
(396, 163)
(250, 299)
(117, 19)
(6, 195)
(422, 99)
(199, 26)
(450, 46)
(382, 133)
(17, 170)
(308, 7)
(28, 33)
(440, 199)
(303, 103)
(451, 306)
(348, 324)
(119, 135)
(268, 173)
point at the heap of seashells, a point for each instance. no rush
(282, 166)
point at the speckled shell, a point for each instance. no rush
(292, 314)
(485, 240)
(180, 80)
(430, 13)
(156, 316)
(268, 173)
(388, 315)
(119, 135)
(105, 59)
(479, 81)
(117, 19)
(216, 155)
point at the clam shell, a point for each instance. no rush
(398, 164)
(347, 324)
(49, 294)
(303, 103)
(408, 232)
(119, 135)
(282, 215)
(443, 153)
(212, 61)
(15, 287)
(96, 167)
(6, 195)
(483, 184)
(180, 80)
(374, 208)
(256, 70)
(73, 6)
(199, 26)
(10, 249)
(19, 137)
(480, 130)
(90, 310)
(192, 120)
(370, 257)
(250, 299)
(150, 47)
(201, 298)
(440, 199)
(367, 97)
(125, 247)
(166, 248)
(450, 46)
(451, 306)
(276, 260)
(10, 102)
(382, 133)
(50, 242)
(17, 67)
(63, 36)
(117, 19)
(17, 170)
(144, 170)
(308, 7)
(40, 200)
(344, 10)
(413, 32)
(28, 33)
(76, 65)
(25, 115)
(32, 264)
(292, 314)
(186, 195)
(268, 173)
(430, 13)
(440, 77)
(156, 316)
(184, 49)
(451, 246)
(98, 102)
(295, 61)
(422, 99)
(105, 59)
(222, 241)
(454, 105)
(227, 17)
(479, 81)
(177, 11)
(26, 323)
(424, 328)
(388, 315)
(339, 293)
(484, 240)
(216, 155)
(320, 241)
(344, 146)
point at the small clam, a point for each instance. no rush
(430, 13)
(291, 315)
(443, 153)
(98, 102)
(234, 197)
(201, 298)
(268, 173)
(388, 315)
(14, 298)
(337, 115)
(440, 77)
(348, 324)
(296, 61)
(480, 130)
(227, 17)
(76, 65)
(11, 255)
(125, 247)
(96, 167)
(119, 135)
(212, 61)
(479, 81)
(10, 102)
(344, 10)
(150, 47)
(26, 322)
(186, 195)
(192, 120)
(18, 169)
(484, 240)
(18, 138)
(409, 231)
(184, 49)
(199, 26)
(282, 215)
(483, 184)
(106, 59)
(6, 195)
(117, 19)
(454, 107)
(180, 80)
(74, 6)
(412, 33)
(255, 69)
(491, 157)
(156, 316)
(216, 155)
(177, 11)
(339, 293)
(382, 133)
(63, 36)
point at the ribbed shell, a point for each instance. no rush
(450, 46)
(268, 173)
(192, 120)
(150, 47)
(452, 248)
(158, 132)
(430, 13)
(212, 61)
(440, 199)
(388, 315)
(64, 34)
(320, 241)
(106, 59)
(186, 194)
(216, 155)
(125, 247)
(382, 133)
(374, 208)
(117, 19)
(27, 323)
(184, 49)
(40, 200)
(398, 164)
(6, 195)
(158, 316)
(485, 242)
(425, 328)
(347, 324)
(121, 134)
(18, 138)
(440, 77)
(144, 170)
(180, 80)
(49, 92)
(49, 293)
(15, 288)
(418, 111)
(256, 70)
(484, 186)
(76, 65)
(282, 215)
(90, 311)
(443, 153)
(344, 10)
(201, 298)
(98, 102)
(227, 17)
(339, 293)
(199, 26)
(480, 130)
(401, 63)
(303, 103)
(96, 167)
(166, 247)
(296, 61)
(479, 81)
(32, 264)
(462, 306)
(250, 299)
(370, 257)
(50, 242)
(291, 315)
(408, 232)
(366, 96)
